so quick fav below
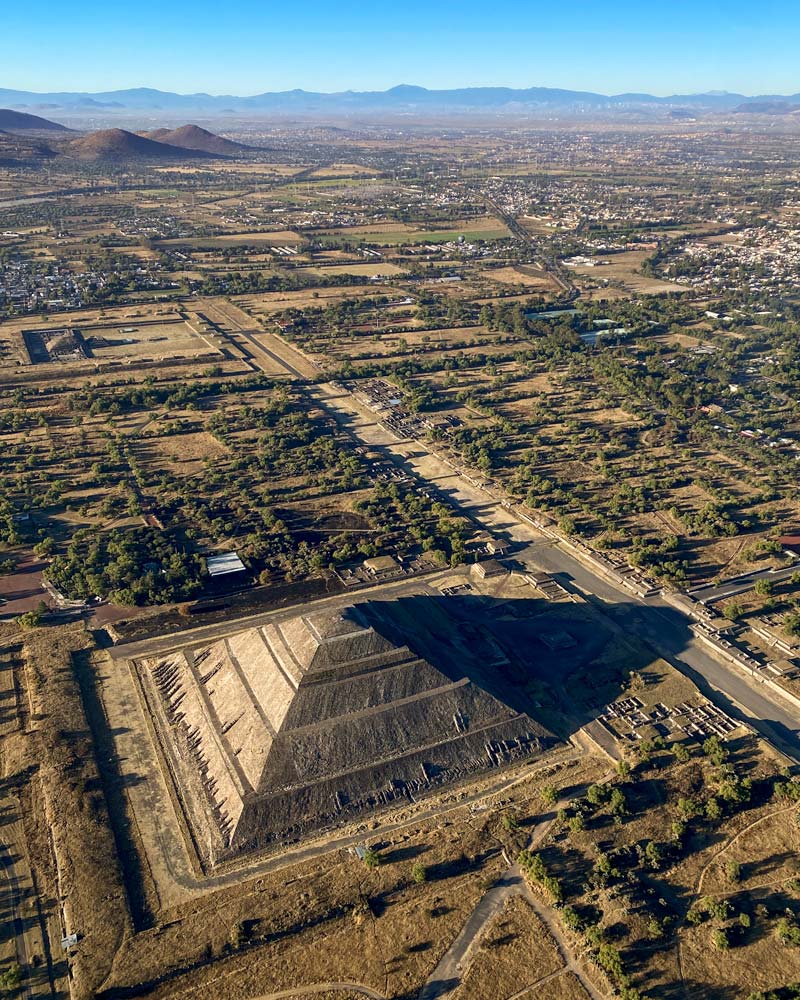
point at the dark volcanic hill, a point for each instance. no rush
(118, 144)
(18, 121)
(22, 150)
(194, 137)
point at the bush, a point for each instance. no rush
(719, 938)
(788, 932)
(371, 858)
(681, 752)
(11, 978)
(238, 935)
(419, 873)
(596, 794)
(548, 795)
(576, 823)
(553, 886)
(33, 618)
(714, 750)
(733, 871)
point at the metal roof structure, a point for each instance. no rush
(224, 563)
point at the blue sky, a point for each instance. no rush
(250, 46)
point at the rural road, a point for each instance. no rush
(317, 988)
(446, 977)
(33, 933)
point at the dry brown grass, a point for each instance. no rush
(564, 987)
(761, 964)
(516, 276)
(625, 269)
(89, 881)
(382, 268)
(191, 447)
(516, 950)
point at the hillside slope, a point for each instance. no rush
(18, 121)
(194, 137)
(119, 144)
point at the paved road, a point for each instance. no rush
(667, 630)
(517, 229)
(741, 584)
(279, 353)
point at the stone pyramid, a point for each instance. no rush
(281, 731)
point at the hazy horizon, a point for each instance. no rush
(185, 47)
(790, 91)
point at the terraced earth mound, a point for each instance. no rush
(288, 729)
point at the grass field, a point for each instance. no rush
(384, 237)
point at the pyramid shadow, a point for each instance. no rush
(512, 649)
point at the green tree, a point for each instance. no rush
(32, 619)
(714, 750)
(371, 858)
(681, 752)
(596, 794)
(576, 823)
(11, 978)
(548, 795)
(610, 960)
(617, 803)
(419, 873)
(653, 854)
(720, 939)
(733, 871)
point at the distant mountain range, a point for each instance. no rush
(403, 99)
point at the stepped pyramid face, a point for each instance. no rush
(285, 730)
